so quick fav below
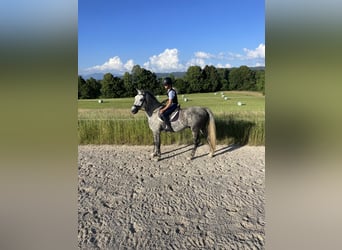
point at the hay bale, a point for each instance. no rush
(100, 101)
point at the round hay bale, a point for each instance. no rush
(185, 99)
(239, 103)
(100, 101)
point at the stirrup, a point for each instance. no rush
(168, 129)
(160, 119)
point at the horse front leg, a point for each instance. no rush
(196, 140)
(156, 142)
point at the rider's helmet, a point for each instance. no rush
(167, 81)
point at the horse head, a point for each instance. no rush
(139, 101)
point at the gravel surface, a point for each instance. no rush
(128, 201)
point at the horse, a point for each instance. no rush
(198, 119)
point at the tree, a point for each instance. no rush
(193, 77)
(88, 89)
(129, 85)
(224, 76)
(180, 86)
(242, 78)
(107, 86)
(112, 87)
(144, 79)
(211, 79)
(82, 91)
(94, 88)
(260, 81)
(118, 87)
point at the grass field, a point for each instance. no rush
(111, 122)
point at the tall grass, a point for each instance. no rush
(234, 129)
(229, 129)
(234, 124)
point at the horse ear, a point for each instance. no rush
(140, 92)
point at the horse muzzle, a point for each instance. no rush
(134, 109)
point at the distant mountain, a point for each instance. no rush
(99, 76)
(257, 68)
(175, 74)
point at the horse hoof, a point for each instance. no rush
(155, 157)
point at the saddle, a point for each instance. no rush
(174, 115)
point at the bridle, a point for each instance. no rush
(143, 100)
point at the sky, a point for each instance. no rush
(169, 36)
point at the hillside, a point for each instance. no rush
(99, 76)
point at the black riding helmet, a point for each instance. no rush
(167, 81)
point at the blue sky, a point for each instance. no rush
(169, 36)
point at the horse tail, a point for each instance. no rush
(211, 132)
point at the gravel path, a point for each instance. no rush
(127, 201)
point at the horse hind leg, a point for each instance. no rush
(211, 151)
(196, 140)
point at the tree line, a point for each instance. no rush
(195, 80)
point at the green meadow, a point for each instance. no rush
(239, 118)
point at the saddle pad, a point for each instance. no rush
(174, 116)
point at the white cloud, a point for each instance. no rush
(259, 52)
(234, 56)
(196, 62)
(166, 61)
(227, 65)
(129, 65)
(259, 64)
(201, 59)
(203, 55)
(114, 64)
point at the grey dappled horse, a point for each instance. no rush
(198, 119)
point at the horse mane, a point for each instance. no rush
(152, 96)
(152, 101)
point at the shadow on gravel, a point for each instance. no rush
(175, 154)
(184, 149)
(221, 151)
(227, 149)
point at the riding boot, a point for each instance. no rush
(168, 124)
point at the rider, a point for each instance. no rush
(171, 104)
